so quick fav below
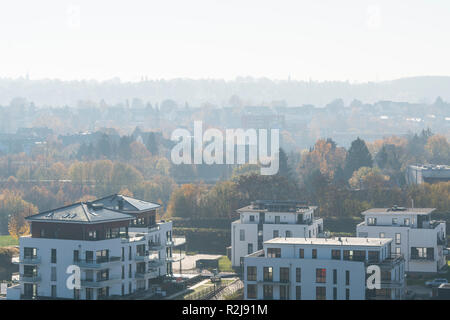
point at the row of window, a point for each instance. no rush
(357, 255)
(321, 274)
(321, 292)
(395, 221)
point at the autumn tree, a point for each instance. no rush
(358, 156)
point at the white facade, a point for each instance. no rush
(260, 223)
(413, 233)
(49, 279)
(316, 269)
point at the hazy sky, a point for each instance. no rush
(354, 40)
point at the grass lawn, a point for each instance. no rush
(225, 264)
(6, 241)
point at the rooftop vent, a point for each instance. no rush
(397, 208)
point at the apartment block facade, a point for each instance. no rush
(263, 220)
(421, 240)
(322, 269)
(116, 243)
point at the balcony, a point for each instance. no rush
(421, 258)
(96, 264)
(26, 260)
(150, 274)
(90, 283)
(30, 278)
(174, 259)
(155, 246)
(142, 256)
(155, 262)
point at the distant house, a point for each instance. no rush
(417, 174)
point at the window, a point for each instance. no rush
(129, 253)
(347, 277)
(422, 253)
(103, 292)
(123, 272)
(76, 255)
(251, 273)
(374, 256)
(298, 293)
(284, 292)
(53, 291)
(268, 292)
(298, 275)
(276, 233)
(398, 238)
(359, 255)
(336, 254)
(321, 275)
(334, 276)
(242, 235)
(277, 219)
(130, 288)
(334, 293)
(274, 252)
(252, 218)
(371, 221)
(406, 221)
(250, 248)
(251, 291)
(398, 250)
(348, 254)
(394, 220)
(103, 275)
(382, 235)
(53, 274)
(29, 253)
(76, 294)
(129, 272)
(301, 253)
(123, 253)
(89, 293)
(284, 274)
(268, 274)
(123, 290)
(288, 234)
(53, 256)
(347, 294)
(314, 253)
(321, 293)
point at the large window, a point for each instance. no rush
(347, 294)
(374, 256)
(251, 273)
(321, 293)
(242, 235)
(251, 291)
(268, 292)
(314, 253)
(334, 276)
(321, 275)
(334, 293)
(288, 234)
(301, 253)
(398, 238)
(336, 254)
(276, 233)
(250, 248)
(347, 277)
(284, 292)
(298, 275)
(284, 274)
(274, 252)
(29, 253)
(422, 253)
(53, 256)
(268, 274)
(298, 292)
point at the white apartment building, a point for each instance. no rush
(421, 240)
(116, 242)
(322, 269)
(263, 220)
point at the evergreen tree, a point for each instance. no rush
(152, 145)
(358, 156)
(284, 169)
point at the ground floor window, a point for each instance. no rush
(251, 291)
(284, 292)
(321, 293)
(268, 292)
(298, 292)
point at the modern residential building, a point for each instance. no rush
(323, 269)
(417, 174)
(263, 220)
(421, 240)
(115, 241)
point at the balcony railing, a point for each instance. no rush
(90, 283)
(155, 245)
(94, 264)
(420, 258)
(26, 260)
(30, 278)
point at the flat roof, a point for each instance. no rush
(250, 208)
(422, 211)
(344, 241)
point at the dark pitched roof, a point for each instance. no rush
(80, 212)
(128, 204)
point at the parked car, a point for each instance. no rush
(436, 282)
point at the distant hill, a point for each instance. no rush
(249, 90)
